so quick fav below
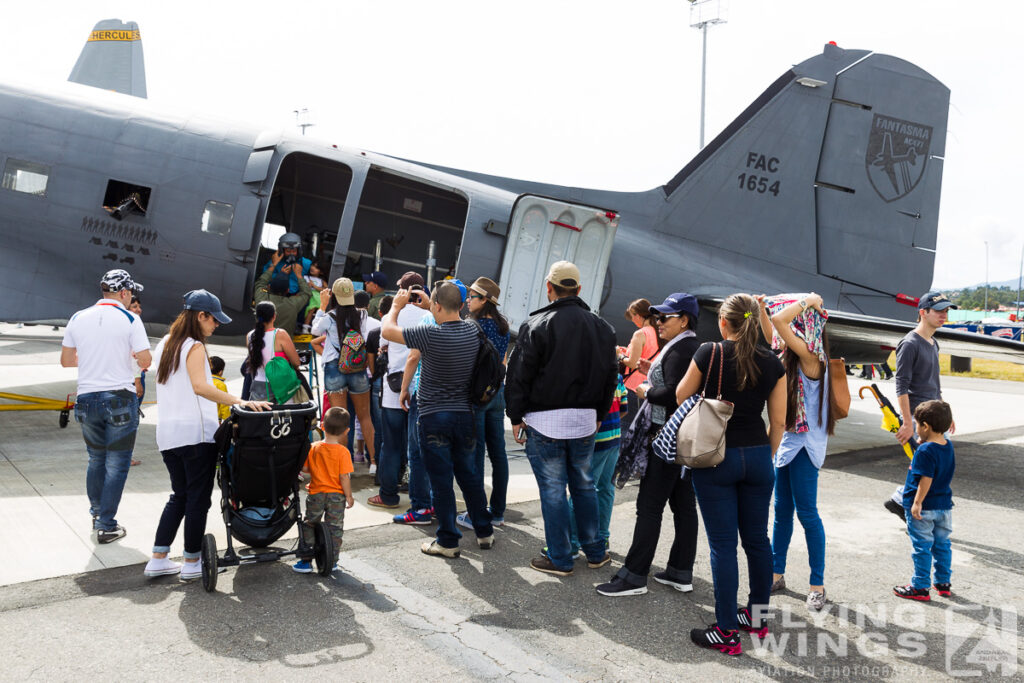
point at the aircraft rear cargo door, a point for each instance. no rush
(543, 231)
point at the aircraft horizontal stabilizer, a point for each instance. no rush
(112, 59)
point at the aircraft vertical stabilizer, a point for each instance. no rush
(834, 171)
(112, 59)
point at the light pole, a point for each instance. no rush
(1020, 275)
(702, 13)
(986, 276)
(302, 119)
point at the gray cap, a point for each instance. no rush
(201, 300)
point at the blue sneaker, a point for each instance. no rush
(414, 517)
(464, 520)
(302, 567)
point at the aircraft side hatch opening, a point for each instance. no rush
(403, 224)
(125, 199)
(308, 199)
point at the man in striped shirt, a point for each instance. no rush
(447, 428)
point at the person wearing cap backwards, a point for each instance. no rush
(375, 283)
(186, 400)
(105, 342)
(917, 373)
(559, 387)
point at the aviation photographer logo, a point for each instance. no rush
(897, 154)
(889, 641)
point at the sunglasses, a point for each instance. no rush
(664, 318)
(478, 296)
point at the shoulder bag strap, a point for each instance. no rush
(721, 366)
(707, 375)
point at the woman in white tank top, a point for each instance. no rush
(264, 342)
(187, 419)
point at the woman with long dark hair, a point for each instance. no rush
(266, 341)
(186, 402)
(800, 328)
(735, 495)
(337, 318)
(490, 419)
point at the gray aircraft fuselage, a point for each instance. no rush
(783, 200)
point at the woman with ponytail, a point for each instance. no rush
(266, 341)
(735, 495)
(800, 333)
(187, 403)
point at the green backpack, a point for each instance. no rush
(282, 381)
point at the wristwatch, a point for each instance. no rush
(803, 304)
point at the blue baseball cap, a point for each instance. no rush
(937, 301)
(680, 302)
(463, 289)
(376, 277)
(202, 300)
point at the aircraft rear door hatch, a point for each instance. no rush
(543, 231)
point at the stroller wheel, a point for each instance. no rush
(323, 547)
(209, 550)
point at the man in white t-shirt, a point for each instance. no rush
(105, 342)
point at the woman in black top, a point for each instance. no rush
(663, 482)
(735, 495)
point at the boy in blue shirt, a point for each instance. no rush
(928, 500)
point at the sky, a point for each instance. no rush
(591, 94)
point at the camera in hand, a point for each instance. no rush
(289, 260)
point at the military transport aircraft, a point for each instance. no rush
(786, 199)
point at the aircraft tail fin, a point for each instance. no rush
(112, 59)
(834, 171)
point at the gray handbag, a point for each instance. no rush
(700, 441)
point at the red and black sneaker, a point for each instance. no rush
(726, 642)
(943, 589)
(746, 622)
(911, 593)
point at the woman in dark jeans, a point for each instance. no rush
(663, 482)
(735, 495)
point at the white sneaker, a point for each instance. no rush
(373, 468)
(306, 329)
(191, 570)
(161, 567)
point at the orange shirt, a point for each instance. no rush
(327, 462)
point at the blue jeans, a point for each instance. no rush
(490, 436)
(796, 487)
(602, 466)
(109, 422)
(419, 483)
(448, 441)
(191, 469)
(930, 539)
(389, 462)
(735, 496)
(557, 463)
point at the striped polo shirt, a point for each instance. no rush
(447, 361)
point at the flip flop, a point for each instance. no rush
(136, 462)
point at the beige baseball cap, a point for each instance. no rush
(344, 292)
(564, 274)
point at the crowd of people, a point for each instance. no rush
(406, 381)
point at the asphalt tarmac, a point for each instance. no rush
(70, 609)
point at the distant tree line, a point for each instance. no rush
(974, 297)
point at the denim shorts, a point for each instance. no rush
(336, 381)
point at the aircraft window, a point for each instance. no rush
(125, 199)
(25, 176)
(217, 217)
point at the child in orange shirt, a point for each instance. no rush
(329, 465)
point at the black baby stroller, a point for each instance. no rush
(260, 455)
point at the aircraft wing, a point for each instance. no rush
(868, 339)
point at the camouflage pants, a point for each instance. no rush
(330, 507)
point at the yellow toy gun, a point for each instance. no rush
(891, 420)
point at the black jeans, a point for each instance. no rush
(660, 484)
(191, 469)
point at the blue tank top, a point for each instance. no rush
(815, 439)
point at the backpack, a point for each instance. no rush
(488, 372)
(282, 380)
(352, 355)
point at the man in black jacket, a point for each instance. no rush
(559, 386)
